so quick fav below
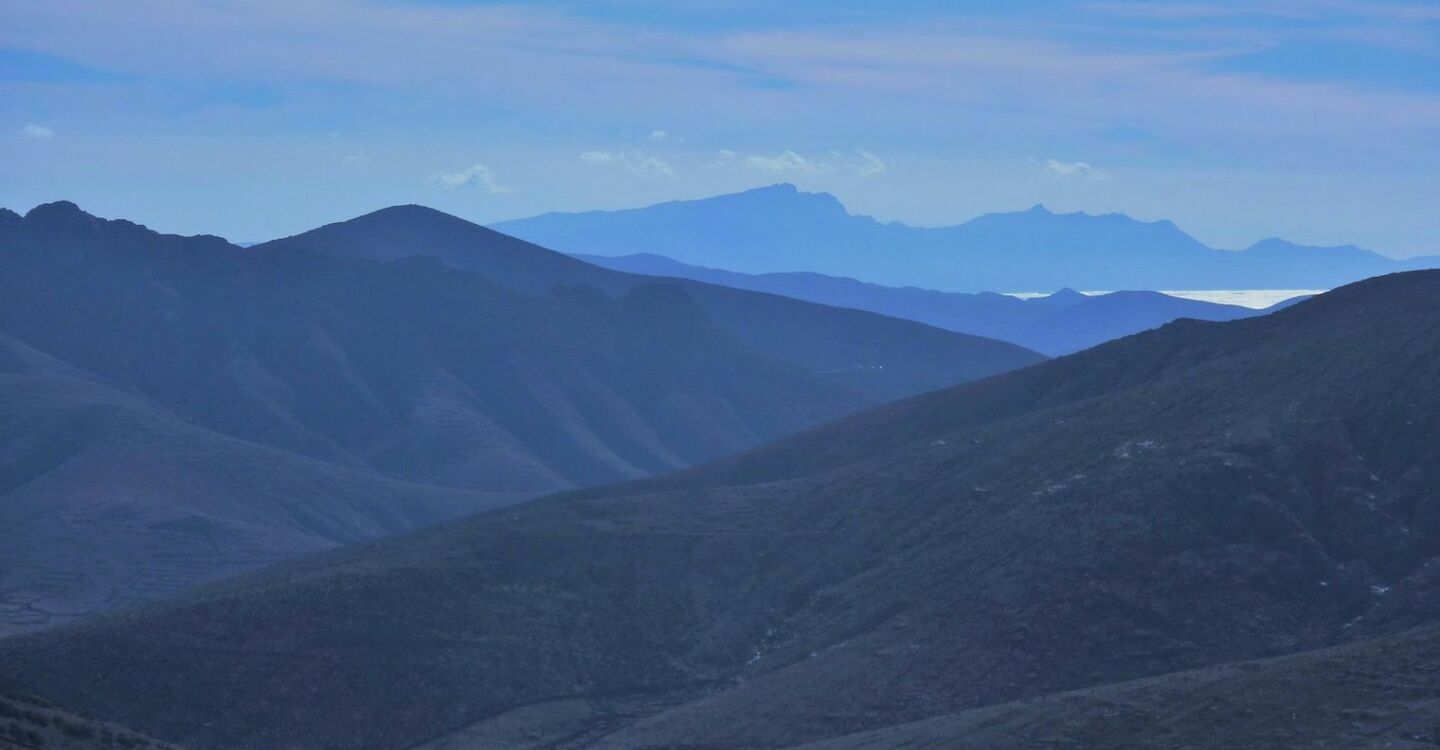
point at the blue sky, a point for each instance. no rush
(1316, 121)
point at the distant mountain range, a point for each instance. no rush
(1183, 499)
(1057, 324)
(780, 229)
(176, 409)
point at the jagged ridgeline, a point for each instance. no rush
(1185, 498)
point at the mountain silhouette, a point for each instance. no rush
(781, 229)
(1185, 498)
(1060, 323)
(179, 408)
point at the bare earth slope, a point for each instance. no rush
(1188, 497)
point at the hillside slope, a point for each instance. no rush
(1192, 496)
(108, 500)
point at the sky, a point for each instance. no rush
(1315, 121)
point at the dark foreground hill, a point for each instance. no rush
(1198, 495)
(1058, 324)
(780, 228)
(176, 409)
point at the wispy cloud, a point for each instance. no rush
(1073, 169)
(870, 165)
(786, 161)
(723, 158)
(661, 136)
(863, 163)
(355, 160)
(36, 131)
(478, 175)
(601, 157)
(635, 162)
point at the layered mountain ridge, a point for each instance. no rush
(179, 409)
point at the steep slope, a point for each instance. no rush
(1191, 496)
(421, 372)
(1372, 695)
(779, 229)
(872, 353)
(1042, 324)
(106, 499)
